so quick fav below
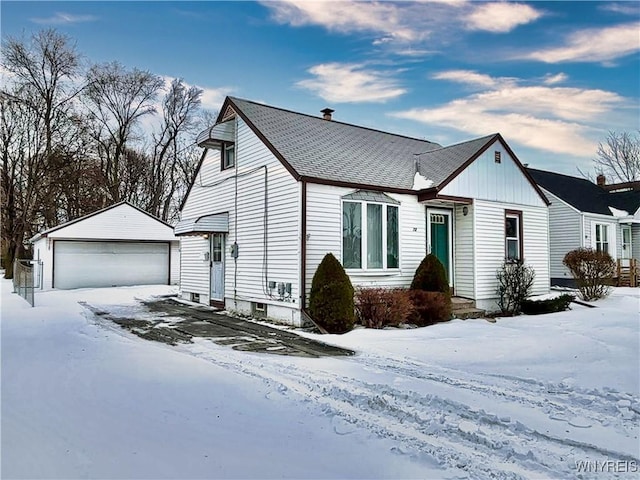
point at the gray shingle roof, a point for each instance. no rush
(337, 151)
(580, 193)
(437, 165)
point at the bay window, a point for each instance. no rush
(370, 237)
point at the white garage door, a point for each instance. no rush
(107, 264)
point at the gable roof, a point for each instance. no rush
(585, 195)
(628, 200)
(45, 233)
(314, 148)
(327, 151)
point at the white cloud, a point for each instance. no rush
(345, 16)
(351, 83)
(594, 45)
(393, 26)
(61, 18)
(470, 77)
(551, 79)
(553, 119)
(624, 8)
(501, 17)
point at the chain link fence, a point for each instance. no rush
(27, 277)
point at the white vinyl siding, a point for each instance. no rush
(194, 269)
(43, 250)
(564, 234)
(123, 222)
(324, 232)
(484, 179)
(175, 263)
(635, 241)
(214, 191)
(464, 265)
(490, 250)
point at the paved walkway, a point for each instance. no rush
(174, 322)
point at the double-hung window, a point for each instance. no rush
(513, 236)
(370, 235)
(602, 238)
(228, 155)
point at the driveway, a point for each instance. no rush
(170, 321)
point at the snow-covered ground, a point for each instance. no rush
(526, 397)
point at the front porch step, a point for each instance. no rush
(467, 313)
(464, 308)
(460, 303)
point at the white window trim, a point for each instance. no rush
(628, 252)
(612, 240)
(225, 148)
(363, 238)
(517, 237)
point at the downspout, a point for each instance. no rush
(303, 249)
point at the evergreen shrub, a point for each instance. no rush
(331, 298)
(430, 276)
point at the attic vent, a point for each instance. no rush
(228, 114)
(326, 113)
(498, 157)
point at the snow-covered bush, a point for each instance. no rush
(549, 305)
(515, 279)
(593, 271)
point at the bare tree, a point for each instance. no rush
(117, 99)
(179, 110)
(36, 101)
(618, 157)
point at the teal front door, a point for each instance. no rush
(439, 241)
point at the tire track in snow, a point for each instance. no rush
(451, 432)
(553, 399)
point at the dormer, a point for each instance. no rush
(221, 136)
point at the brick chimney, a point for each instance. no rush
(601, 180)
(326, 113)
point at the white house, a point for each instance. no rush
(119, 245)
(583, 214)
(277, 190)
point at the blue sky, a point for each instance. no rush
(552, 77)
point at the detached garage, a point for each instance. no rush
(117, 246)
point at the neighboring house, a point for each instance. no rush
(119, 245)
(583, 214)
(276, 191)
